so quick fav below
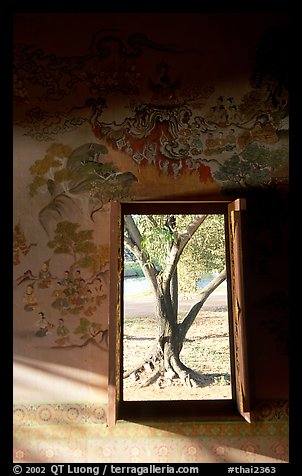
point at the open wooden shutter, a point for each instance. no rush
(239, 325)
(114, 314)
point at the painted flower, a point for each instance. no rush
(73, 413)
(134, 451)
(250, 449)
(49, 453)
(163, 451)
(19, 454)
(192, 450)
(44, 413)
(99, 414)
(279, 449)
(19, 416)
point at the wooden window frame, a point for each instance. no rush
(236, 408)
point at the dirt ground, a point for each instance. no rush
(206, 350)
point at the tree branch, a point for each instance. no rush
(192, 313)
(178, 247)
(133, 231)
(191, 229)
(174, 292)
(152, 221)
(134, 244)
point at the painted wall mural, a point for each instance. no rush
(165, 124)
(21, 246)
(75, 300)
(77, 181)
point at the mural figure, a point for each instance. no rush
(61, 301)
(162, 87)
(20, 244)
(77, 279)
(29, 299)
(77, 295)
(66, 280)
(44, 326)
(45, 276)
(62, 333)
(62, 330)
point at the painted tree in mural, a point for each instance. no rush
(174, 252)
(79, 244)
(77, 181)
(255, 165)
(76, 295)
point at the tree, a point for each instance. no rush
(255, 165)
(167, 247)
(79, 244)
(77, 181)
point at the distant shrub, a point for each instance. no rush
(132, 268)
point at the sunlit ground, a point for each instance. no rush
(206, 348)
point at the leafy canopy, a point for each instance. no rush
(204, 253)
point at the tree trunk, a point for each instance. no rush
(164, 359)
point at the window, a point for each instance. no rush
(237, 402)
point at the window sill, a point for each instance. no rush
(179, 410)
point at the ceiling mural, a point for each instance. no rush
(155, 116)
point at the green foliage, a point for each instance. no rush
(157, 238)
(59, 150)
(87, 328)
(253, 166)
(66, 237)
(79, 244)
(41, 169)
(133, 269)
(36, 184)
(86, 261)
(204, 253)
(62, 175)
(69, 173)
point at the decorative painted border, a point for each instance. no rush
(58, 413)
(168, 450)
(270, 410)
(273, 416)
(132, 431)
(78, 432)
(87, 413)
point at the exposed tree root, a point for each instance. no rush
(152, 370)
(138, 368)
